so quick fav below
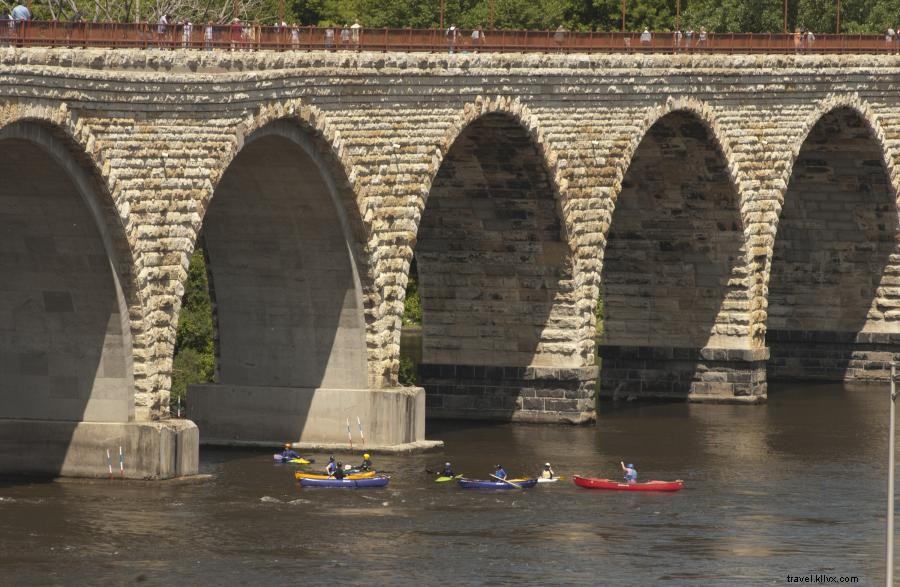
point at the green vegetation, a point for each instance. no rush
(195, 357)
(412, 306)
(407, 374)
(757, 16)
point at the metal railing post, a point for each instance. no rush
(889, 570)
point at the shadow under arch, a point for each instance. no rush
(673, 272)
(496, 283)
(285, 265)
(65, 340)
(831, 313)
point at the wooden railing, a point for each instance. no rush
(242, 37)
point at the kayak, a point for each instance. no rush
(594, 483)
(485, 484)
(443, 479)
(553, 480)
(280, 459)
(303, 475)
(379, 481)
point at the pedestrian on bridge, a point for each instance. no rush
(21, 13)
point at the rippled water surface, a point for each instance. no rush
(793, 487)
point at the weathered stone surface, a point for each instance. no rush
(159, 129)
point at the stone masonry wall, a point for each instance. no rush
(160, 128)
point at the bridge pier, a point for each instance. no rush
(392, 419)
(521, 394)
(699, 375)
(151, 450)
(832, 356)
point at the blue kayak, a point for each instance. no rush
(484, 484)
(379, 481)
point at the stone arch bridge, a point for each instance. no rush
(732, 218)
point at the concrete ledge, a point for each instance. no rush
(308, 447)
(152, 450)
(576, 418)
(703, 398)
(255, 416)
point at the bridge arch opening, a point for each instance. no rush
(281, 254)
(495, 280)
(674, 297)
(834, 312)
(65, 339)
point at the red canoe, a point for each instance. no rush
(593, 483)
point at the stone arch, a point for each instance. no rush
(833, 304)
(676, 276)
(866, 113)
(325, 143)
(497, 270)
(87, 361)
(701, 110)
(292, 316)
(518, 111)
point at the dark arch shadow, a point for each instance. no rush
(836, 234)
(284, 265)
(65, 340)
(674, 244)
(495, 276)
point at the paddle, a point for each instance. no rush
(516, 485)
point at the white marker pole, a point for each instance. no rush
(889, 572)
(363, 438)
(350, 436)
(109, 463)
(121, 463)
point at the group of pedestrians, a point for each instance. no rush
(803, 39)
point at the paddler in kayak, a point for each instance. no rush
(330, 467)
(366, 464)
(288, 452)
(630, 472)
(547, 473)
(339, 470)
(447, 471)
(500, 473)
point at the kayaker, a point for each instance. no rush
(330, 467)
(500, 473)
(288, 452)
(630, 472)
(366, 464)
(447, 471)
(547, 473)
(339, 470)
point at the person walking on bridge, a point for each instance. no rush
(21, 12)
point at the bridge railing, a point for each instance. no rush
(245, 37)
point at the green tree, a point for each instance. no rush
(194, 360)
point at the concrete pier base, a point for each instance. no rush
(715, 375)
(518, 394)
(246, 415)
(152, 450)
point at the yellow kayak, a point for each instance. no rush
(363, 475)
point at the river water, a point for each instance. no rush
(793, 487)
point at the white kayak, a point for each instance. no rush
(553, 480)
